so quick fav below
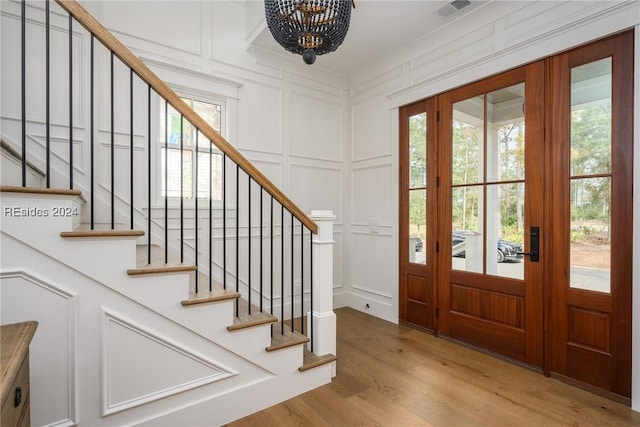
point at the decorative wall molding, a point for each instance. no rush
(365, 205)
(326, 117)
(498, 51)
(70, 301)
(112, 354)
(231, 85)
(193, 27)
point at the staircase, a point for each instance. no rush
(199, 319)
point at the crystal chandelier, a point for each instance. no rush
(309, 27)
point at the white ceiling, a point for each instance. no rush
(378, 28)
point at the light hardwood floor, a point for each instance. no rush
(392, 375)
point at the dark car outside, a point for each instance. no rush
(507, 251)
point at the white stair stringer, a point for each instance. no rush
(92, 273)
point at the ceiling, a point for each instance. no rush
(378, 28)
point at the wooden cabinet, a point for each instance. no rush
(15, 373)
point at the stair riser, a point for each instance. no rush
(39, 214)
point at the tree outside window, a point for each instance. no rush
(196, 160)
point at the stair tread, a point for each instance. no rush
(157, 264)
(312, 360)
(157, 269)
(256, 318)
(41, 190)
(102, 230)
(216, 294)
(288, 339)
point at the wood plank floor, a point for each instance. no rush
(392, 375)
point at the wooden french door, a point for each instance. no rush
(491, 255)
(418, 195)
(591, 217)
(516, 214)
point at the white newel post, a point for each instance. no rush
(324, 319)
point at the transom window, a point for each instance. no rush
(196, 163)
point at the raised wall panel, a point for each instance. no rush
(53, 349)
(549, 14)
(175, 24)
(260, 113)
(131, 377)
(316, 128)
(371, 129)
(371, 195)
(272, 170)
(317, 189)
(35, 72)
(472, 44)
(372, 258)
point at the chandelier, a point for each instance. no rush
(309, 27)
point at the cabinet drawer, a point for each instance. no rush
(13, 415)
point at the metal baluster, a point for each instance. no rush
(112, 150)
(131, 144)
(292, 277)
(181, 188)
(261, 244)
(166, 182)
(301, 278)
(224, 221)
(282, 269)
(271, 264)
(195, 219)
(23, 60)
(149, 174)
(237, 235)
(92, 130)
(210, 216)
(71, 102)
(249, 241)
(48, 98)
(311, 286)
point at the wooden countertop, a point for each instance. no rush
(15, 339)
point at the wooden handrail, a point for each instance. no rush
(85, 19)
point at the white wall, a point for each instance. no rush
(499, 36)
(291, 123)
(350, 167)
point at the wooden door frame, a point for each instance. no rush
(548, 93)
(429, 245)
(619, 300)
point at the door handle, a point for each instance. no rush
(534, 244)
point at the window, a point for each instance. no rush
(200, 165)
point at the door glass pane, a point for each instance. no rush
(505, 230)
(466, 226)
(417, 225)
(591, 118)
(467, 142)
(590, 248)
(417, 151)
(590, 233)
(505, 134)
(417, 187)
